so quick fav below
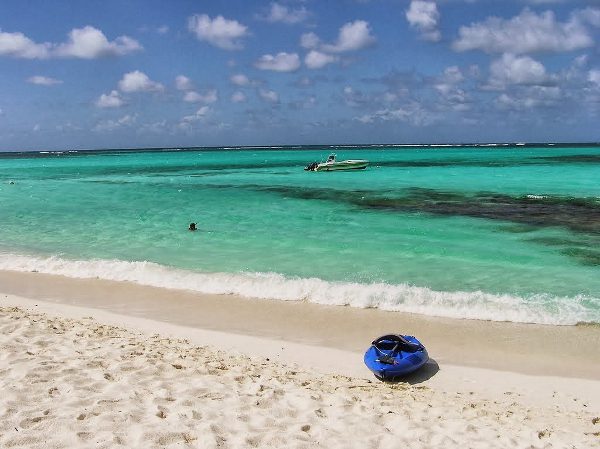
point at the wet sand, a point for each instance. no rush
(570, 351)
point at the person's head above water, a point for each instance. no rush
(192, 227)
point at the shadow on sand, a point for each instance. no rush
(424, 373)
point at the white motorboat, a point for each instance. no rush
(332, 164)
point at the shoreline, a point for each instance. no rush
(406, 299)
(534, 349)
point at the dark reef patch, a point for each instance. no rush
(575, 158)
(518, 228)
(526, 213)
(583, 247)
(576, 214)
(586, 256)
(453, 163)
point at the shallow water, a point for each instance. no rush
(509, 233)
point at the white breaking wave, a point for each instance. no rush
(541, 309)
(536, 197)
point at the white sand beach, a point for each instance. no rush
(134, 371)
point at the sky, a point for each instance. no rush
(158, 73)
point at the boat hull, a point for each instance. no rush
(344, 165)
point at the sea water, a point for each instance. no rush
(508, 233)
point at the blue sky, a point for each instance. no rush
(137, 73)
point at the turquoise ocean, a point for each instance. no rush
(499, 232)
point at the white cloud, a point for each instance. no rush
(162, 29)
(36, 127)
(238, 97)
(581, 61)
(304, 82)
(309, 40)
(111, 125)
(85, 43)
(424, 16)
(112, 100)
(453, 75)
(282, 62)
(458, 99)
(389, 97)
(239, 79)
(194, 97)
(529, 98)
(199, 115)
(316, 60)
(183, 83)
(67, 127)
(511, 69)
(587, 15)
(220, 32)
(526, 33)
(155, 127)
(89, 43)
(18, 45)
(303, 104)
(283, 14)
(137, 81)
(448, 87)
(412, 113)
(352, 36)
(43, 80)
(269, 95)
(594, 77)
(354, 98)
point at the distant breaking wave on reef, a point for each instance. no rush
(540, 308)
(88, 151)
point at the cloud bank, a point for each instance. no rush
(84, 43)
(527, 33)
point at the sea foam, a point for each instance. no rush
(541, 308)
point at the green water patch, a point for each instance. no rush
(165, 170)
(61, 173)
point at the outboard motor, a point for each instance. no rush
(312, 166)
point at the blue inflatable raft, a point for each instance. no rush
(392, 356)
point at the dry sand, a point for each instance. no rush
(78, 373)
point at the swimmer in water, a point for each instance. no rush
(192, 227)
